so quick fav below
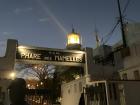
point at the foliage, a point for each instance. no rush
(51, 77)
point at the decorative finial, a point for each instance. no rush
(73, 31)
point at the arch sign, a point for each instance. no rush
(48, 55)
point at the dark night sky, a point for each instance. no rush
(45, 23)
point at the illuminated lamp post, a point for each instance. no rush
(12, 75)
(73, 41)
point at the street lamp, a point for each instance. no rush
(12, 75)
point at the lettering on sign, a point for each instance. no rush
(30, 56)
(68, 58)
(47, 55)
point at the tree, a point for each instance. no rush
(51, 77)
(48, 79)
(71, 73)
(46, 76)
(44, 73)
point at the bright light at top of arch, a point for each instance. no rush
(73, 39)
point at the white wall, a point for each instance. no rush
(71, 92)
(132, 62)
(132, 32)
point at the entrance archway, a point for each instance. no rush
(38, 55)
(68, 59)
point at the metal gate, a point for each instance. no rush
(39, 97)
(96, 94)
